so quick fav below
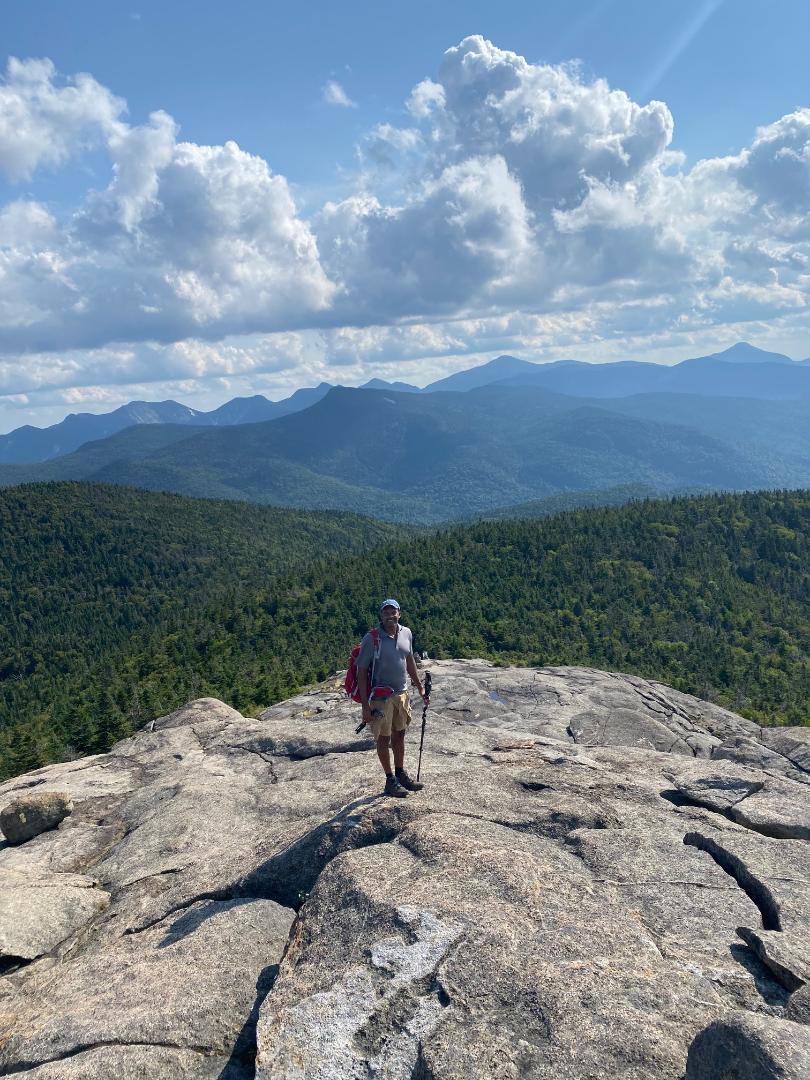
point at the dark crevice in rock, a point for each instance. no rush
(10, 964)
(307, 752)
(156, 874)
(218, 895)
(244, 1050)
(24, 1066)
(757, 891)
(677, 798)
(266, 758)
(289, 876)
(268, 749)
(24, 787)
(421, 1069)
(776, 830)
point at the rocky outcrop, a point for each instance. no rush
(600, 874)
(29, 815)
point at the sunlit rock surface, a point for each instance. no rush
(599, 871)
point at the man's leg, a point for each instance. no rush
(398, 746)
(384, 753)
(381, 728)
(401, 720)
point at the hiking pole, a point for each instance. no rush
(428, 687)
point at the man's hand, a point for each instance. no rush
(366, 707)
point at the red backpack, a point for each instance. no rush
(350, 683)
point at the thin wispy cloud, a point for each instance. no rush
(334, 94)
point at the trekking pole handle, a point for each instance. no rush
(428, 685)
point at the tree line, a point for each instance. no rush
(708, 594)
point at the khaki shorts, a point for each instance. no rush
(390, 714)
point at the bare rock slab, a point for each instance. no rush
(189, 983)
(468, 950)
(536, 911)
(139, 1063)
(39, 911)
(31, 814)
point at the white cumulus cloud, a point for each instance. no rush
(42, 123)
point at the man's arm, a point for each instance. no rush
(413, 671)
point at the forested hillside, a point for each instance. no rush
(87, 569)
(126, 610)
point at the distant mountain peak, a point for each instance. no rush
(743, 352)
(502, 367)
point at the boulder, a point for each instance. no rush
(29, 815)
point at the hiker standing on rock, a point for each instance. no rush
(388, 713)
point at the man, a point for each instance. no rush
(388, 717)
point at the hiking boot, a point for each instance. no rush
(406, 782)
(393, 787)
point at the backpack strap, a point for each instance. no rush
(375, 637)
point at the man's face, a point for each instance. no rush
(390, 616)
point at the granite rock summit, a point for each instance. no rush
(602, 878)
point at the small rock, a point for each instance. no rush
(29, 815)
(798, 1008)
(750, 1047)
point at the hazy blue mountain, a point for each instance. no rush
(302, 399)
(130, 445)
(30, 444)
(241, 410)
(780, 427)
(502, 367)
(710, 376)
(39, 444)
(399, 387)
(623, 377)
(744, 353)
(740, 371)
(256, 409)
(439, 456)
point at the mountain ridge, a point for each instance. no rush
(482, 450)
(27, 444)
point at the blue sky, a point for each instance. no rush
(199, 200)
